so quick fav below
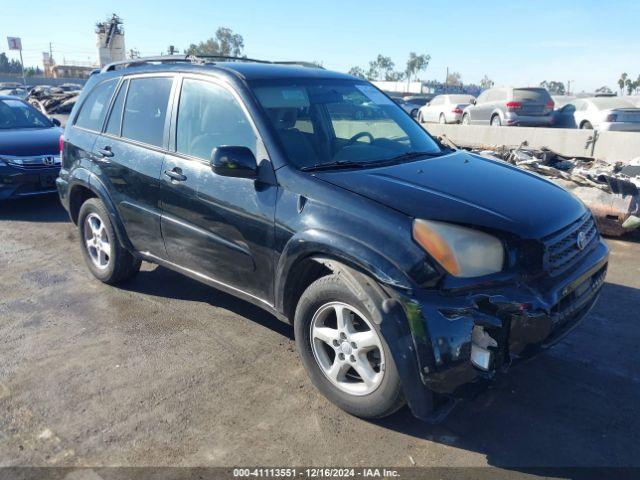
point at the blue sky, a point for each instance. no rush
(513, 42)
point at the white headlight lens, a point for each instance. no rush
(463, 252)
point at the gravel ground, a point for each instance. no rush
(166, 371)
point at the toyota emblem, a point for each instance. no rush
(581, 241)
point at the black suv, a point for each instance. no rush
(411, 272)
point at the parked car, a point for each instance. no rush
(511, 106)
(410, 108)
(19, 92)
(411, 272)
(601, 113)
(29, 150)
(444, 109)
(421, 99)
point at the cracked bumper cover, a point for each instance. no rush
(521, 320)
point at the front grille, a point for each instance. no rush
(35, 162)
(562, 249)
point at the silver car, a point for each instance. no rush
(444, 109)
(601, 113)
(511, 106)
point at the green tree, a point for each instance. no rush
(357, 72)
(416, 64)
(622, 81)
(554, 87)
(380, 68)
(9, 66)
(631, 86)
(394, 76)
(225, 43)
(486, 83)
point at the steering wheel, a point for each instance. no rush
(358, 136)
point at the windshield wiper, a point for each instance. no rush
(411, 155)
(333, 165)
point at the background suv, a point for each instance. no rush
(511, 106)
(410, 271)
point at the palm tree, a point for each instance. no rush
(622, 81)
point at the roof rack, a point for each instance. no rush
(194, 59)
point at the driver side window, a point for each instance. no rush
(209, 116)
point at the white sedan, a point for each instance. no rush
(444, 109)
(600, 113)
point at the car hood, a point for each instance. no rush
(29, 141)
(468, 189)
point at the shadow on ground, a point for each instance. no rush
(162, 282)
(44, 208)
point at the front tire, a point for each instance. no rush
(108, 261)
(420, 117)
(586, 125)
(465, 119)
(344, 352)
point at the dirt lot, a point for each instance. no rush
(169, 372)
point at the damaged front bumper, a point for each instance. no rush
(463, 339)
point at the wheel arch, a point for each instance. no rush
(311, 255)
(88, 186)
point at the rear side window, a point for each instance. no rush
(208, 117)
(95, 106)
(115, 118)
(146, 109)
(537, 95)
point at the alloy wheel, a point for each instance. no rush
(97, 241)
(347, 348)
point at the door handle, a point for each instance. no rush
(105, 152)
(175, 174)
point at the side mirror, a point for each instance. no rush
(232, 161)
(472, 101)
(56, 122)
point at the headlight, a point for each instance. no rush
(3, 163)
(461, 251)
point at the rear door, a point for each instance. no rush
(81, 137)
(217, 226)
(130, 153)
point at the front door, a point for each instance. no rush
(220, 227)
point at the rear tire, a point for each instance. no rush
(334, 352)
(442, 120)
(495, 121)
(108, 261)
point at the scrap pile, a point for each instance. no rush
(609, 190)
(53, 100)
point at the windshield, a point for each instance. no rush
(325, 121)
(17, 114)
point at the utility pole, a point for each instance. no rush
(446, 82)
